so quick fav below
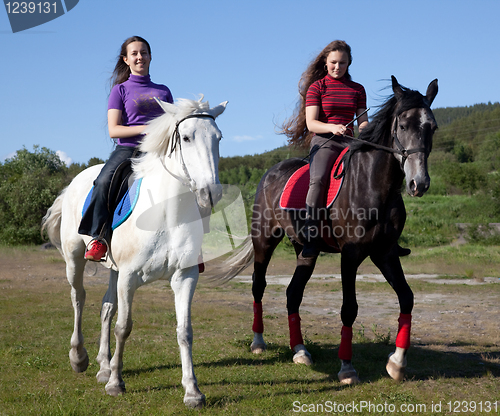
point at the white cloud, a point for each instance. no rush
(64, 157)
(9, 156)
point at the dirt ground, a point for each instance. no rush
(450, 313)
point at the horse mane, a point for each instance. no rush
(156, 142)
(380, 126)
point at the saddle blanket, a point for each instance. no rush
(124, 207)
(294, 193)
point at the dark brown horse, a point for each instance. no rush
(366, 219)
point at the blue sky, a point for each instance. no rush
(55, 76)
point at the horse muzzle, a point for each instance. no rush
(207, 197)
(418, 185)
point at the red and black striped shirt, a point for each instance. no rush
(338, 100)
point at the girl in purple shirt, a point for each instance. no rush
(131, 105)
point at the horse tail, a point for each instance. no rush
(239, 260)
(51, 222)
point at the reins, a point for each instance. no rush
(404, 153)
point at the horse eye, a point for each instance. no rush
(185, 139)
(402, 127)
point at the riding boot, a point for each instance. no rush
(311, 233)
(402, 251)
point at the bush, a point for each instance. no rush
(29, 183)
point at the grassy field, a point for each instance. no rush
(454, 362)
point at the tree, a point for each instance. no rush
(29, 183)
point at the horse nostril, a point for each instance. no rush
(413, 187)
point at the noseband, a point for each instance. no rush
(175, 140)
(402, 151)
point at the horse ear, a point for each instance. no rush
(432, 91)
(217, 111)
(167, 107)
(398, 91)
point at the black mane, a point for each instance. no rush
(380, 126)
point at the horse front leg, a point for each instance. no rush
(390, 266)
(294, 296)
(349, 311)
(78, 356)
(183, 284)
(123, 328)
(108, 310)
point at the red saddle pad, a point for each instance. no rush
(295, 191)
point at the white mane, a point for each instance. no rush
(156, 143)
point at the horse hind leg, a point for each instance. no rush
(294, 296)
(108, 310)
(75, 264)
(263, 253)
(350, 262)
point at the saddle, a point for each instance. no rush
(122, 196)
(294, 193)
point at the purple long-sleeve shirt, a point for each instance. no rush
(135, 98)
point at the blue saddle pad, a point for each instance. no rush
(124, 207)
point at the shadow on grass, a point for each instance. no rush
(369, 359)
(424, 362)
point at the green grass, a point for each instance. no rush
(36, 377)
(432, 220)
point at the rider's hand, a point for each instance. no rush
(338, 129)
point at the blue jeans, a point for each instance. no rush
(96, 222)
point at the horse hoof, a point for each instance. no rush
(349, 377)
(116, 390)
(79, 363)
(396, 371)
(302, 357)
(258, 348)
(103, 376)
(195, 402)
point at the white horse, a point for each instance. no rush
(160, 240)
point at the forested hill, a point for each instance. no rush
(447, 115)
(466, 129)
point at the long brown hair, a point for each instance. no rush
(295, 127)
(122, 70)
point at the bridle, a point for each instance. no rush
(400, 150)
(175, 140)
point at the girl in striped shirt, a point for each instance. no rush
(329, 100)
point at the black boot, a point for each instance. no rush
(403, 251)
(311, 234)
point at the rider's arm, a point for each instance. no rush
(318, 127)
(363, 120)
(116, 130)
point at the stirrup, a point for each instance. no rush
(102, 240)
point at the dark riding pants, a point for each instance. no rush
(324, 152)
(96, 222)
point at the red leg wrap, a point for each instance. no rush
(295, 332)
(403, 338)
(345, 348)
(258, 323)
